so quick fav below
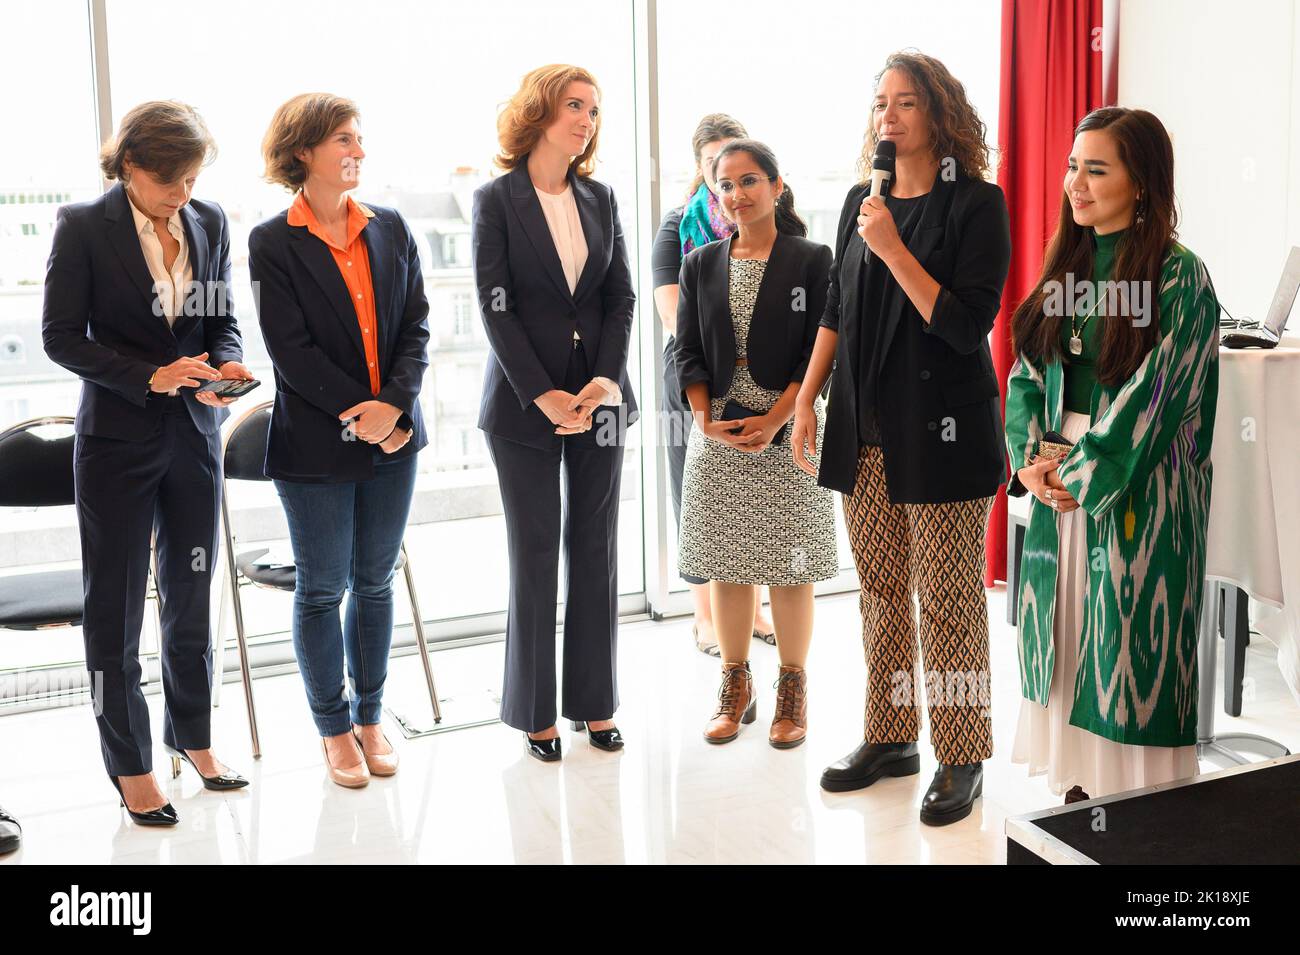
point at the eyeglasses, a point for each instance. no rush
(727, 187)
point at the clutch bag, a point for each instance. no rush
(735, 411)
(1053, 446)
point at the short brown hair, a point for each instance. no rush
(163, 137)
(302, 123)
(534, 107)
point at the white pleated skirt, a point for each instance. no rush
(1045, 739)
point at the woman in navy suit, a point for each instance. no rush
(137, 305)
(556, 297)
(344, 317)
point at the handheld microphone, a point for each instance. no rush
(882, 174)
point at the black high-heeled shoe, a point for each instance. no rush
(610, 740)
(218, 783)
(166, 816)
(547, 750)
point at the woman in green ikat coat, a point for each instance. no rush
(1116, 350)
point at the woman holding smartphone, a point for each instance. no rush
(344, 317)
(121, 312)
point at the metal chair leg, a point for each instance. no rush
(152, 584)
(418, 622)
(219, 640)
(232, 572)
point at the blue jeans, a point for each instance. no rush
(346, 537)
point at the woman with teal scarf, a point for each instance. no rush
(1117, 352)
(698, 222)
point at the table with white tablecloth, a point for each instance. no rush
(1254, 532)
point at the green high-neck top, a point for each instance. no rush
(1080, 371)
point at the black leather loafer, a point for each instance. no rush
(869, 762)
(952, 793)
(11, 834)
(547, 750)
(610, 740)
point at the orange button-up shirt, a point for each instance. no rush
(353, 260)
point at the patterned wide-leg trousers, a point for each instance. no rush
(935, 552)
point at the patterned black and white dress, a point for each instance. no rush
(753, 518)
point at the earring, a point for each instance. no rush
(1141, 210)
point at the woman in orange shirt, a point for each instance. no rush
(343, 312)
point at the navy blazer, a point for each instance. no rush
(314, 338)
(936, 401)
(787, 310)
(102, 321)
(528, 311)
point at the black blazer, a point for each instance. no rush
(527, 309)
(937, 404)
(790, 303)
(102, 321)
(312, 334)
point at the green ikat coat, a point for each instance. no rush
(1142, 476)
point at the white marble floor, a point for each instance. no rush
(474, 796)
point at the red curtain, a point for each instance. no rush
(1051, 78)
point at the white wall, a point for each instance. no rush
(1224, 78)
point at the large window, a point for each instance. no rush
(800, 77)
(429, 79)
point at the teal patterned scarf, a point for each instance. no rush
(703, 221)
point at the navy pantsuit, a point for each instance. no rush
(557, 492)
(144, 462)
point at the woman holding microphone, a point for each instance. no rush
(137, 304)
(556, 297)
(913, 434)
(746, 320)
(344, 317)
(1124, 385)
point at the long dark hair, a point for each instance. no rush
(1148, 156)
(711, 128)
(787, 220)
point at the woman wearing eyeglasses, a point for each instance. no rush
(698, 222)
(746, 320)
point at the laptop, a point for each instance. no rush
(1250, 334)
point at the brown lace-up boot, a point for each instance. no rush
(790, 721)
(736, 704)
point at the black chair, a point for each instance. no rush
(36, 471)
(244, 452)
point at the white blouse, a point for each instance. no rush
(561, 212)
(566, 232)
(170, 286)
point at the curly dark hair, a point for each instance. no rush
(956, 129)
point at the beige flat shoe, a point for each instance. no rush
(354, 777)
(381, 765)
(703, 645)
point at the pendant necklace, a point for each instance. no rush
(1076, 333)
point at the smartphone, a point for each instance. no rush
(230, 387)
